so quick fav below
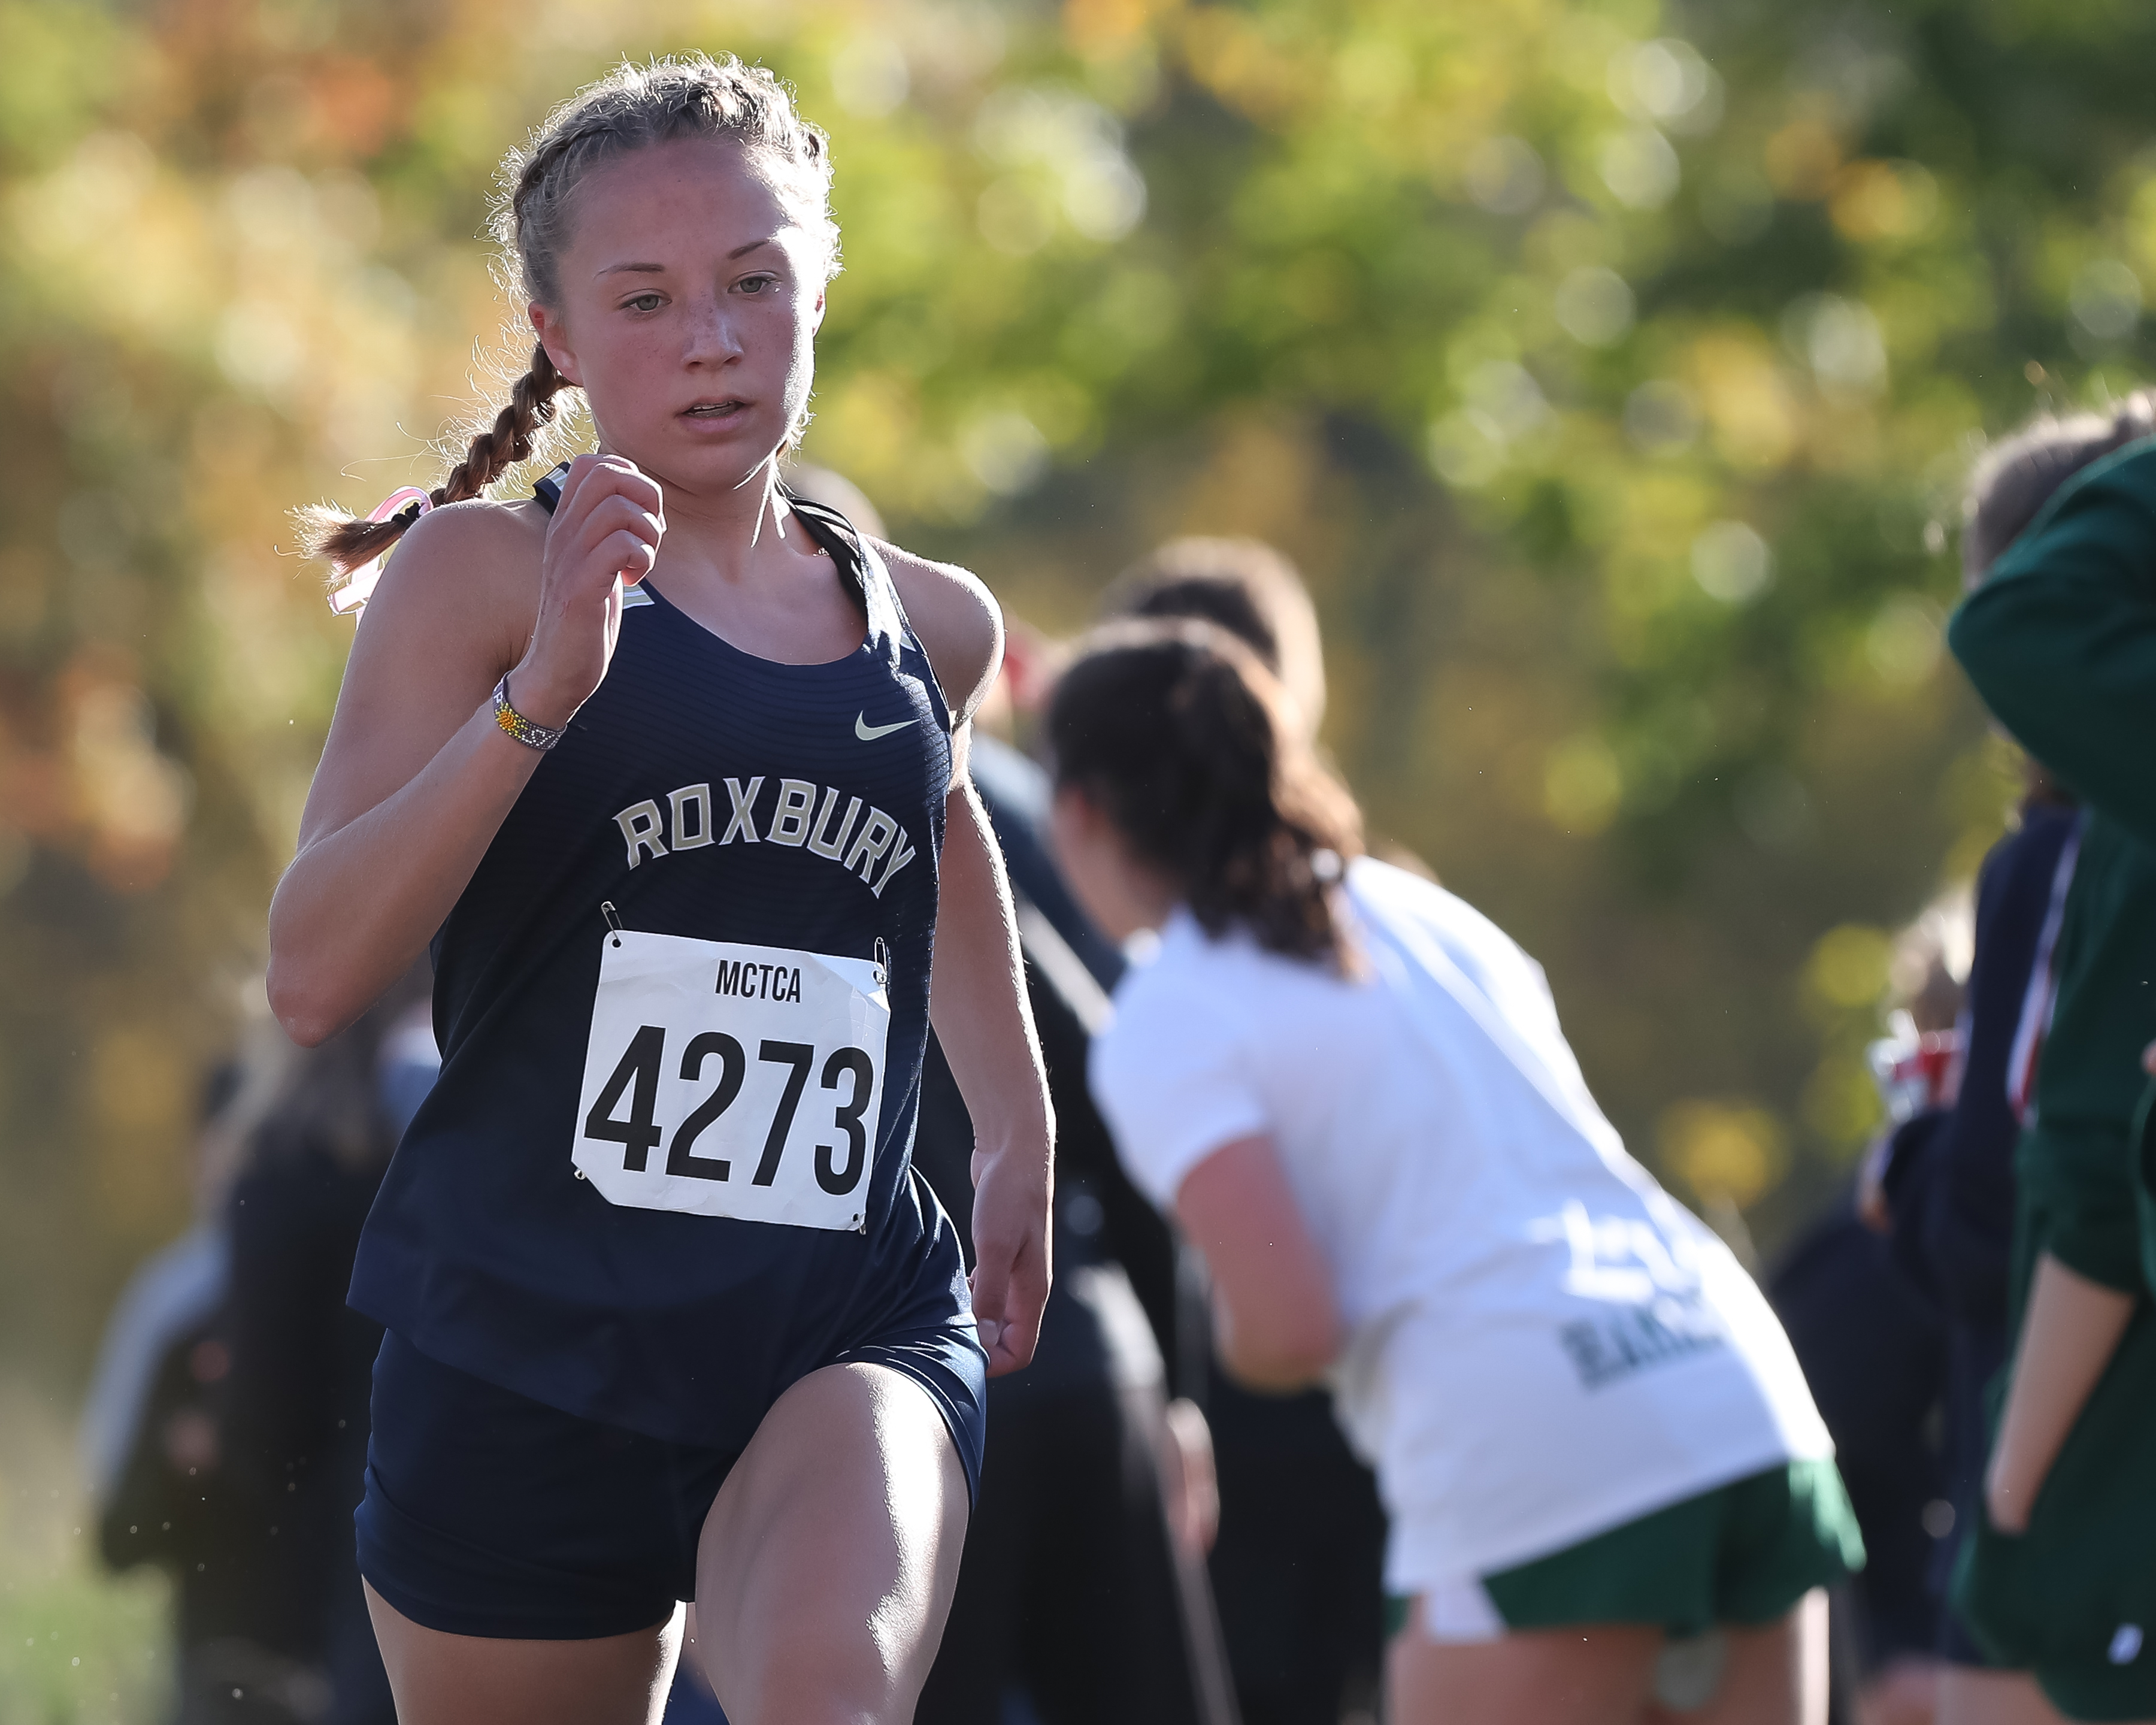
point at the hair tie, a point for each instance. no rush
(1325, 864)
(406, 504)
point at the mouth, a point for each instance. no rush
(715, 409)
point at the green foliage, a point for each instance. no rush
(75, 1648)
(1611, 368)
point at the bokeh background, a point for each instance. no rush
(1610, 368)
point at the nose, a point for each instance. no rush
(712, 333)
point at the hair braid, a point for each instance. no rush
(349, 542)
(509, 439)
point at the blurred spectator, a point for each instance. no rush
(1872, 1344)
(157, 1460)
(1243, 586)
(1353, 1089)
(1948, 1182)
(302, 1361)
(1297, 1570)
(2056, 1574)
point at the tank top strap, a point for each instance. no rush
(890, 633)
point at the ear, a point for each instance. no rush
(553, 332)
(1068, 802)
(816, 318)
(1076, 821)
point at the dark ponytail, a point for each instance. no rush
(1190, 747)
(350, 542)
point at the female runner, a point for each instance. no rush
(663, 767)
(1590, 1431)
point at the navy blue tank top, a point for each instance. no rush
(673, 805)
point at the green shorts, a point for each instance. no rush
(1742, 1554)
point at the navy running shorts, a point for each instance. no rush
(490, 1514)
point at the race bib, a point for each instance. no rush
(733, 1081)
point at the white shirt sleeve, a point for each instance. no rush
(1172, 1079)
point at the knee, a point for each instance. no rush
(813, 1683)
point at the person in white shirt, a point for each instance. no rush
(1611, 1497)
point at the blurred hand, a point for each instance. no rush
(2148, 1059)
(1190, 1479)
(1871, 1199)
(604, 532)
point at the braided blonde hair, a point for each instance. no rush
(634, 107)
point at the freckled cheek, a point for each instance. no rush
(634, 376)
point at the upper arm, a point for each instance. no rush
(960, 625)
(1173, 1082)
(452, 611)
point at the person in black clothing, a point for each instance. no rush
(1870, 1345)
(1949, 1183)
(295, 1402)
(154, 1448)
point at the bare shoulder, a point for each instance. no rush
(467, 563)
(958, 619)
(453, 610)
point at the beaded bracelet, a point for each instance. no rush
(531, 735)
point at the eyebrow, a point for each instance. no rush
(739, 251)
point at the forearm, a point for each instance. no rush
(983, 1019)
(977, 997)
(358, 903)
(1277, 1324)
(2069, 1333)
(1269, 1363)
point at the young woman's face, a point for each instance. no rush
(690, 296)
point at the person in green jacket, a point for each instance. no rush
(2060, 640)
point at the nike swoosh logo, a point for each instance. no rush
(868, 733)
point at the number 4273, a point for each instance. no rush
(637, 1077)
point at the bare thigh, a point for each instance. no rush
(441, 1679)
(1590, 1674)
(1603, 1674)
(1970, 1696)
(828, 1559)
(1775, 1675)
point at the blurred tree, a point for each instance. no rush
(1611, 368)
